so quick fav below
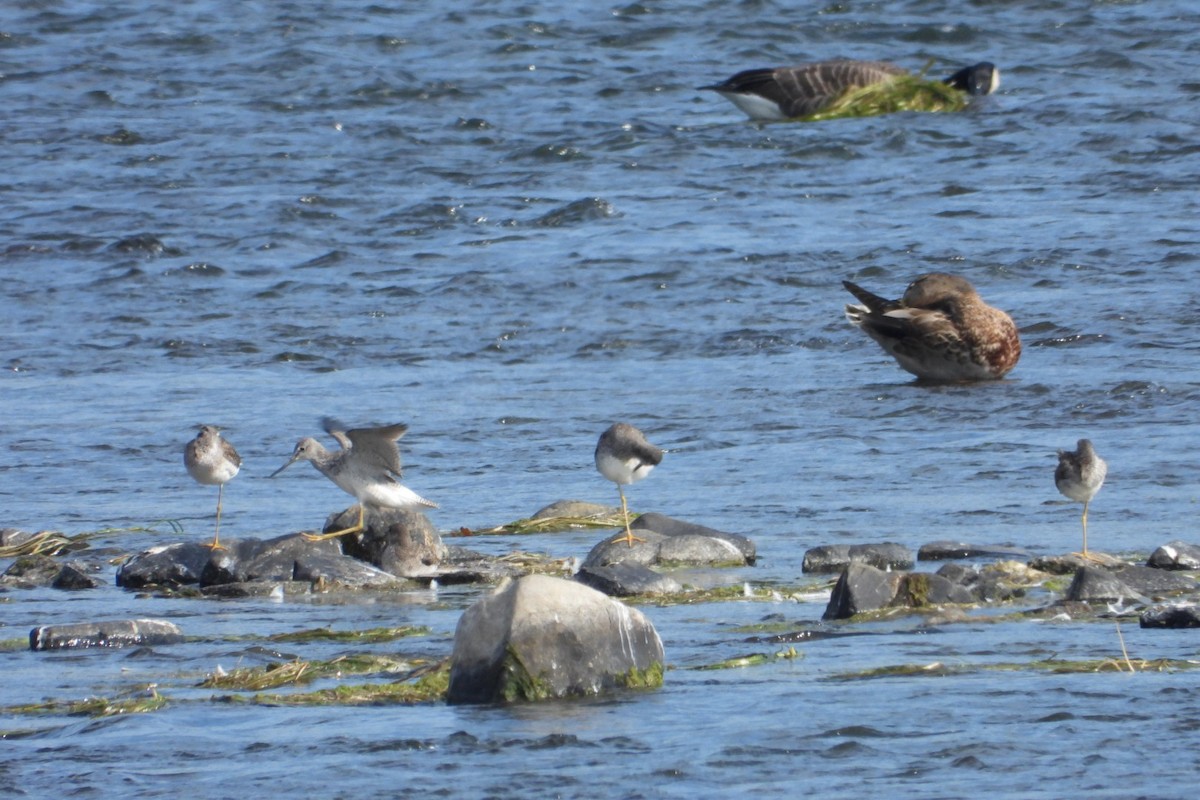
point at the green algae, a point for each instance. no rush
(1054, 666)
(143, 701)
(528, 525)
(649, 678)
(422, 686)
(753, 660)
(300, 672)
(369, 635)
(902, 93)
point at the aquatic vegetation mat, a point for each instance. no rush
(547, 525)
(902, 93)
(753, 660)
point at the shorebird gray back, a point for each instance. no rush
(1079, 475)
(367, 466)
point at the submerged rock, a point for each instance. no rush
(76, 575)
(1098, 585)
(947, 550)
(862, 587)
(673, 542)
(577, 509)
(540, 637)
(1068, 563)
(169, 565)
(1175, 555)
(31, 571)
(1175, 616)
(832, 558)
(119, 633)
(626, 579)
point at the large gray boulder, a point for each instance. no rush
(540, 637)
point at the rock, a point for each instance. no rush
(1067, 563)
(119, 633)
(76, 575)
(1175, 555)
(540, 637)
(576, 509)
(626, 579)
(671, 528)
(1003, 580)
(1099, 585)
(861, 587)
(401, 542)
(1184, 616)
(28, 572)
(923, 589)
(947, 550)
(467, 566)
(14, 537)
(673, 542)
(170, 565)
(292, 558)
(836, 557)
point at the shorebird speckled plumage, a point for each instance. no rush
(212, 460)
(367, 466)
(774, 94)
(941, 330)
(624, 456)
(1079, 475)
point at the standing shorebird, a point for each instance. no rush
(624, 456)
(210, 459)
(367, 466)
(940, 330)
(1079, 475)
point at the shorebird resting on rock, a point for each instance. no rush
(212, 460)
(1079, 475)
(624, 456)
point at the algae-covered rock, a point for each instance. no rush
(540, 637)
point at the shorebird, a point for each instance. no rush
(624, 456)
(940, 330)
(1079, 475)
(212, 460)
(778, 93)
(367, 466)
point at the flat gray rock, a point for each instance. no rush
(626, 579)
(830, 558)
(947, 550)
(1098, 585)
(672, 542)
(118, 633)
(1181, 616)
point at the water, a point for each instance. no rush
(509, 225)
